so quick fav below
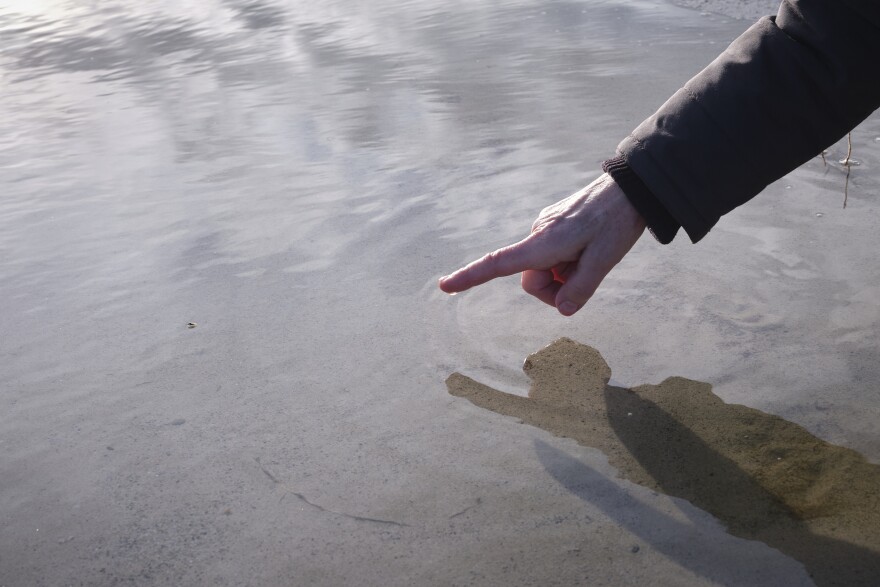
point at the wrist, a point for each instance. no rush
(658, 220)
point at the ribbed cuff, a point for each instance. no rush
(660, 222)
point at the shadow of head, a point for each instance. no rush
(567, 374)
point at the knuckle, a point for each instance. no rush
(492, 259)
(540, 223)
(579, 292)
(530, 288)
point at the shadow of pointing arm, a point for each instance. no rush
(528, 410)
(486, 397)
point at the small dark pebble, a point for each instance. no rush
(109, 448)
(178, 422)
(635, 549)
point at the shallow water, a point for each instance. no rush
(764, 478)
(293, 178)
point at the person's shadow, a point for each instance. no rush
(763, 477)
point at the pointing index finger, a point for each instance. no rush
(501, 263)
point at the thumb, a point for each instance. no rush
(580, 285)
(508, 260)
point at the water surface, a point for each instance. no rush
(293, 177)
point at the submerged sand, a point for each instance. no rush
(293, 177)
(765, 478)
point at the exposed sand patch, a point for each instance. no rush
(765, 478)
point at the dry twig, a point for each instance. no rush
(848, 164)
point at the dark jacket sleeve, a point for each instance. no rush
(787, 88)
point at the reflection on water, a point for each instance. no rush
(144, 143)
(291, 176)
(765, 478)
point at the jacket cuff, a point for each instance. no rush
(660, 222)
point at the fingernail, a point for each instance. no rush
(567, 308)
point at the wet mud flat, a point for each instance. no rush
(763, 477)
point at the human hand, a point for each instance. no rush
(572, 247)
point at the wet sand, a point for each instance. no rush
(764, 478)
(292, 178)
